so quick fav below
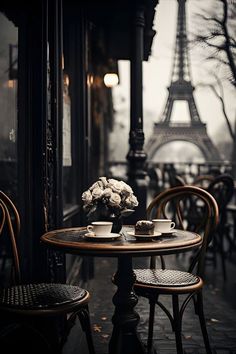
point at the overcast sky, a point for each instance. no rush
(157, 72)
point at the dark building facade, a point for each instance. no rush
(56, 112)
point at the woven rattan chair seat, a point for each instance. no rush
(165, 277)
(40, 296)
(47, 310)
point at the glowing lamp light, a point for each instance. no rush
(111, 79)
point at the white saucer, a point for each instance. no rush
(108, 237)
(132, 233)
(168, 232)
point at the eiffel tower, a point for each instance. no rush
(181, 88)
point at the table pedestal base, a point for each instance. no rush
(124, 338)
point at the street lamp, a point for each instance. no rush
(111, 78)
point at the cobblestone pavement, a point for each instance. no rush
(219, 304)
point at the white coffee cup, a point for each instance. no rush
(163, 225)
(100, 228)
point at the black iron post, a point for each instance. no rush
(125, 338)
(137, 175)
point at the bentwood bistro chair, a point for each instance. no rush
(153, 283)
(203, 181)
(222, 189)
(30, 313)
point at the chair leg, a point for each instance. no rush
(200, 313)
(222, 254)
(177, 324)
(223, 264)
(214, 252)
(152, 303)
(86, 326)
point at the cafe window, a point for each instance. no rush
(8, 119)
(68, 175)
(8, 105)
(67, 158)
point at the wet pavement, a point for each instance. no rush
(219, 304)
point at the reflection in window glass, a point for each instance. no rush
(8, 105)
(68, 180)
(67, 161)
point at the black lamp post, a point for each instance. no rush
(137, 175)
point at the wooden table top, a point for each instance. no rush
(73, 240)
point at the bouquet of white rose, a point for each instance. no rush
(108, 198)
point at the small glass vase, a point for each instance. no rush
(118, 220)
(117, 224)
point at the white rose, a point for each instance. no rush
(115, 185)
(104, 181)
(107, 192)
(97, 193)
(126, 189)
(114, 200)
(131, 201)
(87, 197)
(96, 185)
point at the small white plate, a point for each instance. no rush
(132, 233)
(168, 232)
(109, 237)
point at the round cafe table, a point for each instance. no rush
(124, 339)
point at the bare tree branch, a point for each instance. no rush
(222, 61)
(217, 32)
(227, 41)
(220, 97)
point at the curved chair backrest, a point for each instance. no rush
(179, 201)
(222, 189)
(176, 180)
(10, 217)
(203, 181)
(179, 181)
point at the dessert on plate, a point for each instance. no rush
(144, 227)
